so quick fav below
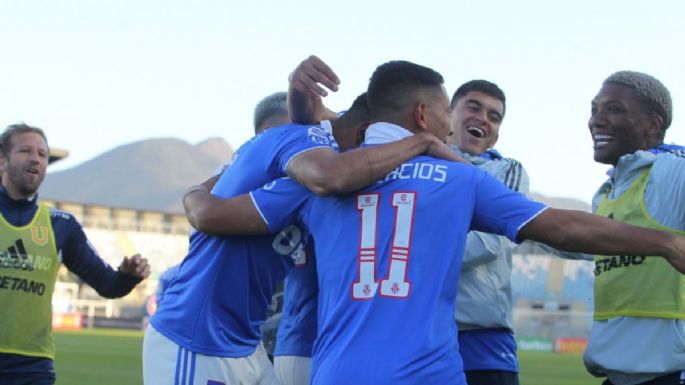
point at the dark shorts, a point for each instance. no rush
(28, 379)
(16, 369)
(669, 379)
(491, 377)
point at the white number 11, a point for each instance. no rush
(395, 284)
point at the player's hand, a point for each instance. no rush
(440, 150)
(311, 75)
(135, 266)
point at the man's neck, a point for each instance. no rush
(13, 194)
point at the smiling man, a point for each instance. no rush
(638, 334)
(34, 240)
(484, 301)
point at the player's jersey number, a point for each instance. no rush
(395, 284)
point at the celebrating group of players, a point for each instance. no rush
(373, 241)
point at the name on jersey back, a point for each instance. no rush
(418, 170)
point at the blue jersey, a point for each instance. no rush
(297, 330)
(388, 262)
(222, 290)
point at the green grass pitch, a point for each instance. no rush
(113, 357)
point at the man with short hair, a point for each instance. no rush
(387, 261)
(34, 240)
(270, 112)
(638, 331)
(484, 299)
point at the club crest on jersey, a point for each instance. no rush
(318, 135)
(40, 235)
(366, 290)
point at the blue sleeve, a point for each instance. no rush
(499, 210)
(303, 139)
(279, 202)
(79, 256)
(266, 157)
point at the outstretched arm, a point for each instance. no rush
(579, 231)
(79, 256)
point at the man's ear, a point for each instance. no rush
(420, 115)
(361, 133)
(654, 129)
(3, 164)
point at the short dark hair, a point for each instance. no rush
(268, 108)
(359, 110)
(14, 129)
(480, 85)
(394, 84)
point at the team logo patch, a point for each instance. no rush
(40, 235)
(318, 135)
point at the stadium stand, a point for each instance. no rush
(553, 296)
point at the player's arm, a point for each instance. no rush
(81, 259)
(516, 178)
(213, 215)
(326, 172)
(499, 210)
(266, 210)
(580, 231)
(306, 89)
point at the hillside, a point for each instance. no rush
(150, 174)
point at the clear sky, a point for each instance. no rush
(98, 74)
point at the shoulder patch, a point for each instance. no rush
(318, 135)
(57, 213)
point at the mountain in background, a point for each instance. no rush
(562, 203)
(153, 174)
(146, 175)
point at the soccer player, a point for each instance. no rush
(217, 338)
(35, 239)
(388, 257)
(638, 333)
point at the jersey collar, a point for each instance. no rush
(382, 132)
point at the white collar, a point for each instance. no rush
(383, 132)
(326, 125)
